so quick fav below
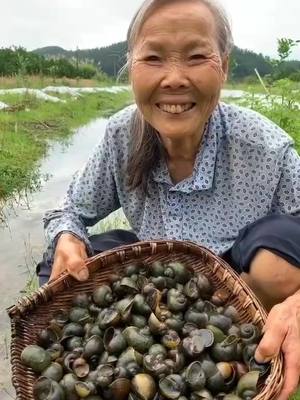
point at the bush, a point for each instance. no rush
(17, 61)
(295, 76)
(86, 71)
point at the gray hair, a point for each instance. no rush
(225, 39)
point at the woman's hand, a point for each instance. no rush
(282, 332)
(70, 255)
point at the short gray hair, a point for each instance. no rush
(224, 32)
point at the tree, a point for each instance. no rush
(285, 47)
(282, 69)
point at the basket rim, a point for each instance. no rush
(48, 290)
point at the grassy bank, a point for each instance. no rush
(26, 131)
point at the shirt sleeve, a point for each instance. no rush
(91, 196)
(287, 195)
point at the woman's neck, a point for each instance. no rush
(181, 155)
(182, 149)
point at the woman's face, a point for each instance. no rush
(177, 71)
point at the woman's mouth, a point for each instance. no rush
(175, 108)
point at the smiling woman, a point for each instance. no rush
(177, 73)
(177, 67)
(185, 166)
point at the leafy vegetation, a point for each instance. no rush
(281, 105)
(281, 100)
(17, 61)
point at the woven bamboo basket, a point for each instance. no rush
(31, 314)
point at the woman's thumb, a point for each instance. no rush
(83, 274)
(77, 267)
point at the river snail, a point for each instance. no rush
(157, 332)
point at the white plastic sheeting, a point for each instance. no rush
(35, 92)
(3, 105)
(42, 93)
(236, 94)
(78, 91)
(73, 91)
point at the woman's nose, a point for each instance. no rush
(174, 77)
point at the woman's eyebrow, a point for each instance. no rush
(151, 44)
(196, 43)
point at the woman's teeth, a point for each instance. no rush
(175, 108)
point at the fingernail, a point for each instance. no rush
(83, 274)
(260, 359)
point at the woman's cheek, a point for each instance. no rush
(216, 73)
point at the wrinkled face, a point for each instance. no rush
(177, 71)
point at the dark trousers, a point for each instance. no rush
(277, 233)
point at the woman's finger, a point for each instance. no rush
(57, 268)
(70, 256)
(291, 375)
(271, 342)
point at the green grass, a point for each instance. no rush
(25, 134)
(115, 220)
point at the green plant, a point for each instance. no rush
(115, 220)
(281, 103)
(282, 106)
(285, 47)
(280, 69)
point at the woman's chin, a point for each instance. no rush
(176, 133)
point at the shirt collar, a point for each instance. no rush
(204, 169)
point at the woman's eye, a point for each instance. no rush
(152, 58)
(197, 57)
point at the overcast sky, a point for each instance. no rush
(95, 23)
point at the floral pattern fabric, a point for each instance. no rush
(246, 168)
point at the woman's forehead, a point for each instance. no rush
(193, 20)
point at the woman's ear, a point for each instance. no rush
(225, 67)
(128, 66)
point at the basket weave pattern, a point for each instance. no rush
(31, 314)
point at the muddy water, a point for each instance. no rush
(22, 241)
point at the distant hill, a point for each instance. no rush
(112, 58)
(52, 51)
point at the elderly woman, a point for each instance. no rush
(184, 166)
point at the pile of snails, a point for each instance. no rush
(156, 332)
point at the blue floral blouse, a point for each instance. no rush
(246, 168)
